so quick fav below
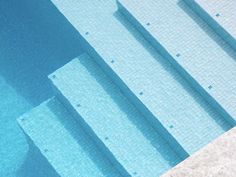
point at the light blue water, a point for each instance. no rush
(35, 40)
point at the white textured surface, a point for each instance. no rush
(217, 159)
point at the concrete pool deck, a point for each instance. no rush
(218, 159)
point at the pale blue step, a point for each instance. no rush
(143, 75)
(58, 138)
(191, 46)
(112, 120)
(220, 15)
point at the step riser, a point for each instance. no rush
(91, 133)
(210, 21)
(178, 67)
(131, 58)
(109, 117)
(133, 98)
(40, 162)
(55, 137)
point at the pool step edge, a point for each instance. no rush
(133, 97)
(67, 103)
(220, 30)
(161, 49)
(40, 149)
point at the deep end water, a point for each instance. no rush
(35, 40)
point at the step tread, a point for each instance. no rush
(170, 99)
(66, 147)
(220, 15)
(123, 130)
(192, 44)
(223, 12)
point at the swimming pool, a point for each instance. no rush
(119, 109)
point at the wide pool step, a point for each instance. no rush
(57, 137)
(193, 48)
(106, 114)
(148, 80)
(221, 15)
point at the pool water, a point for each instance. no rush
(35, 40)
(92, 95)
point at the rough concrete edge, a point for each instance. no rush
(218, 159)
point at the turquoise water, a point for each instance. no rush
(120, 109)
(34, 41)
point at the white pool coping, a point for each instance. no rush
(218, 159)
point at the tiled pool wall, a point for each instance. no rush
(133, 104)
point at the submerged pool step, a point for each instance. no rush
(191, 46)
(59, 139)
(220, 15)
(173, 107)
(112, 120)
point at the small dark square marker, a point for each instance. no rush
(135, 173)
(210, 87)
(87, 33)
(217, 15)
(148, 24)
(178, 55)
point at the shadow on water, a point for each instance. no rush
(35, 164)
(207, 29)
(35, 40)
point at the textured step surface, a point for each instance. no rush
(218, 159)
(63, 143)
(144, 76)
(115, 122)
(191, 45)
(221, 15)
